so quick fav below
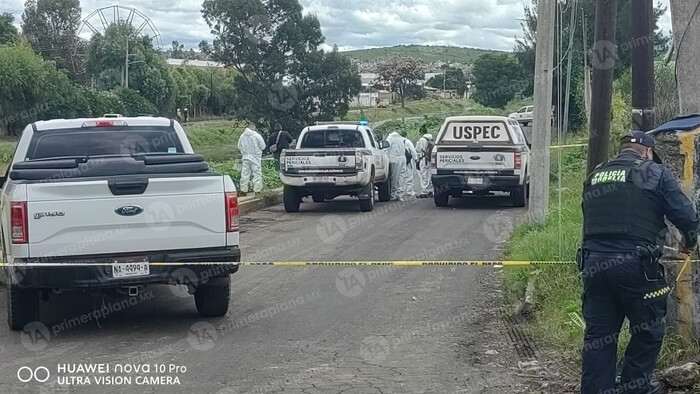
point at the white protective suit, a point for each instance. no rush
(251, 144)
(397, 165)
(426, 183)
(410, 169)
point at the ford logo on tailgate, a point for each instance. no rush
(128, 210)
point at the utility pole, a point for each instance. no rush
(586, 72)
(567, 97)
(643, 65)
(541, 123)
(603, 59)
(126, 65)
(686, 29)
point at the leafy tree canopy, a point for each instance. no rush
(497, 78)
(283, 76)
(8, 31)
(399, 74)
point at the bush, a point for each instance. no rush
(134, 104)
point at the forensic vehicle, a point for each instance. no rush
(112, 204)
(335, 159)
(480, 155)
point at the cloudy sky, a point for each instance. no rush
(356, 24)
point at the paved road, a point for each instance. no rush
(306, 330)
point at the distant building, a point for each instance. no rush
(194, 63)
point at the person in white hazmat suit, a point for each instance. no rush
(426, 183)
(397, 165)
(410, 167)
(251, 144)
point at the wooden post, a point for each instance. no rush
(603, 59)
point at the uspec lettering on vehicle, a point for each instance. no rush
(476, 132)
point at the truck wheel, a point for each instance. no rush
(441, 199)
(318, 197)
(385, 190)
(368, 204)
(519, 196)
(292, 200)
(212, 298)
(22, 306)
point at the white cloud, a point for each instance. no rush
(353, 24)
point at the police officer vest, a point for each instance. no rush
(616, 207)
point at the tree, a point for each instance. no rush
(51, 27)
(452, 79)
(32, 89)
(283, 77)
(399, 74)
(177, 50)
(205, 48)
(148, 71)
(525, 49)
(497, 78)
(8, 31)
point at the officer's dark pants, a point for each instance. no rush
(277, 156)
(614, 288)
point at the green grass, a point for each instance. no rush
(557, 322)
(271, 179)
(215, 140)
(426, 53)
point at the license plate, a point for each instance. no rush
(130, 269)
(475, 181)
(322, 179)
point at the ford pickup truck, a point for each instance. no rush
(112, 205)
(480, 155)
(336, 159)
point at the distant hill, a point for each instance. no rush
(428, 54)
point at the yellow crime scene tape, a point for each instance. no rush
(400, 263)
(567, 146)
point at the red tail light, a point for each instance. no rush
(232, 212)
(18, 222)
(518, 160)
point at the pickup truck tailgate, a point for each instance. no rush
(475, 159)
(101, 216)
(332, 161)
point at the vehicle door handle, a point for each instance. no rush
(128, 186)
(475, 157)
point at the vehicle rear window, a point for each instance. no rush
(103, 141)
(333, 138)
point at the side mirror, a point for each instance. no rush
(384, 145)
(3, 179)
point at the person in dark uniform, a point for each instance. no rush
(624, 204)
(277, 142)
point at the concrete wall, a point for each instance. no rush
(680, 152)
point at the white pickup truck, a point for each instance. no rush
(331, 160)
(524, 115)
(480, 155)
(115, 204)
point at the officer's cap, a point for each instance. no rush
(638, 137)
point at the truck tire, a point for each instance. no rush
(318, 197)
(385, 190)
(22, 306)
(368, 204)
(442, 199)
(292, 199)
(212, 298)
(519, 196)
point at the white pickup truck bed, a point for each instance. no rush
(115, 204)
